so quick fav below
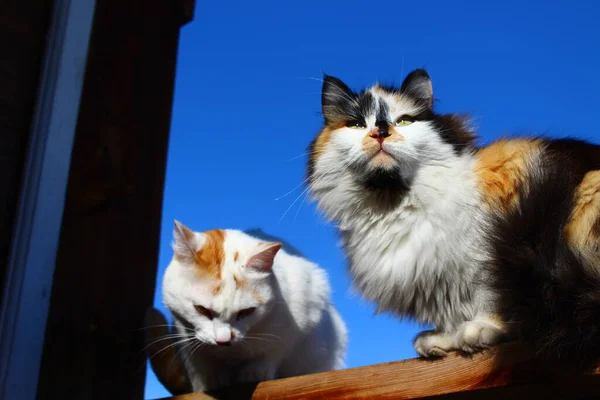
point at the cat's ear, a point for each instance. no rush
(418, 85)
(262, 261)
(335, 97)
(185, 243)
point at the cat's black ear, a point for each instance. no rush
(335, 98)
(418, 85)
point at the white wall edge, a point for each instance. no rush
(31, 262)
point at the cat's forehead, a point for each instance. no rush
(233, 291)
(237, 248)
(219, 250)
(210, 255)
(385, 102)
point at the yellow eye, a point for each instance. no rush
(356, 125)
(404, 121)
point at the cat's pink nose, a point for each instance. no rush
(224, 342)
(380, 133)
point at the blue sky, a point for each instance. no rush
(247, 104)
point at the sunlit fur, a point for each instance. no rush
(426, 216)
(294, 329)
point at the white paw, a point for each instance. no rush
(474, 336)
(433, 344)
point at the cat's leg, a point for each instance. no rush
(206, 373)
(434, 343)
(484, 331)
(257, 371)
(214, 381)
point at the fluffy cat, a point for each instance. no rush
(484, 243)
(246, 310)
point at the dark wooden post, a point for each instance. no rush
(23, 29)
(106, 264)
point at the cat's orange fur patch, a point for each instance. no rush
(217, 287)
(395, 136)
(240, 283)
(211, 256)
(236, 255)
(258, 297)
(322, 139)
(583, 228)
(501, 168)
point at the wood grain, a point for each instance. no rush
(508, 370)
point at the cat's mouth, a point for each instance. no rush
(381, 157)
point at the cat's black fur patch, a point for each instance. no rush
(546, 291)
(454, 130)
(385, 179)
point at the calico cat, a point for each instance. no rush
(246, 310)
(484, 243)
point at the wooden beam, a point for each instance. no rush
(187, 10)
(108, 250)
(505, 371)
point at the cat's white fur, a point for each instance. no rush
(295, 329)
(422, 258)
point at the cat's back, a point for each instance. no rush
(565, 187)
(303, 284)
(555, 174)
(291, 267)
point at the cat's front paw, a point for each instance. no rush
(256, 372)
(478, 335)
(431, 344)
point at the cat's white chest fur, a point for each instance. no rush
(421, 258)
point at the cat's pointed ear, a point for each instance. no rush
(262, 261)
(335, 97)
(185, 243)
(418, 85)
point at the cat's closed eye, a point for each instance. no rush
(245, 313)
(204, 311)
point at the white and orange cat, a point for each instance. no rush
(247, 310)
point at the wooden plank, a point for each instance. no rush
(506, 369)
(106, 263)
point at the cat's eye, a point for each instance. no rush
(356, 125)
(204, 311)
(245, 313)
(404, 120)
